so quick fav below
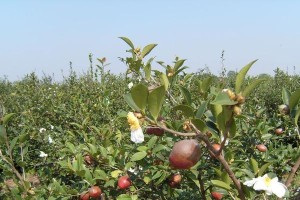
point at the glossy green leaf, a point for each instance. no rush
(147, 49)
(138, 156)
(205, 84)
(130, 102)
(7, 118)
(221, 184)
(251, 87)
(186, 110)
(241, 76)
(139, 94)
(294, 99)
(156, 100)
(254, 165)
(285, 96)
(186, 94)
(152, 141)
(147, 70)
(124, 197)
(128, 41)
(223, 99)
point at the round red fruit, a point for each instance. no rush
(176, 178)
(216, 195)
(216, 147)
(124, 182)
(95, 191)
(85, 196)
(278, 131)
(261, 147)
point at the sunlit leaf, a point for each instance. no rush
(221, 184)
(139, 94)
(138, 156)
(251, 86)
(241, 76)
(7, 118)
(294, 99)
(147, 49)
(186, 94)
(285, 96)
(130, 102)
(186, 110)
(223, 99)
(128, 41)
(254, 165)
(155, 101)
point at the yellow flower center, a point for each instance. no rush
(133, 121)
(267, 181)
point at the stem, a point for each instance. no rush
(201, 185)
(12, 167)
(22, 158)
(292, 173)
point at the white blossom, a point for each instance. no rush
(137, 136)
(270, 186)
(51, 127)
(50, 139)
(42, 130)
(130, 85)
(43, 154)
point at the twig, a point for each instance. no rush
(201, 185)
(292, 173)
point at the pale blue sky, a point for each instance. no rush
(44, 36)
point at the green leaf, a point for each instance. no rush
(204, 85)
(138, 156)
(100, 174)
(254, 165)
(223, 99)
(7, 118)
(200, 125)
(156, 100)
(241, 76)
(178, 64)
(201, 109)
(147, 69)
(263, 168)
(147, 49)
(294, 99)
(186, 94)
(139, 94)
(251, 86)
(152, 141)
(285, 96)
(115, 173)
(127, 41)
(164, 80)
(130, 102)
(297, 117)
(3, 134)
(221, 184)
(186, 110)
(13, 143)
(158, 148)
(124, 197)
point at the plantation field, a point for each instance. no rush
(109, 136)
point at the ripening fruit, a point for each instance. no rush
(240, 99)
(278, 131)
(237, 110)
(185, 154)
(172, 184)
(216, 195)
(95, 191)
(88, 159)
(85, 196)
(217, 147)
(155, 131)
(284, 109)
(261, 147)
(124, 182)
(176, 178)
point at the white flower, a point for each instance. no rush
(50, 139)
(42, 130)
(51, 127)
(267, 184)
(130, 85)
(43, 154)
(137, 135)
(133, 170)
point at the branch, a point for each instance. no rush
(292, 173)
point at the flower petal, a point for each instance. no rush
(250, 183)
(260, 184)
(137, 136)
(278, 189)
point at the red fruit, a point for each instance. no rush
(95, 191)
(172, 184)
(88, 159)
(278, 131)
(176, 178)
(261, 147)
(85, 196)
(124, 182)
(155, 131)
(217, 147)
(185, 154)
(216, 195)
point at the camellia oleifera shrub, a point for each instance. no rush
(149, 134)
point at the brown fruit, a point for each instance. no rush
(278, 131)
(176, 178)
(85, 196)
(217, 147)
(154, 130)
(124, 182)
(284, 109)
(261, 147)
(95, 191)
(216, 195)
(172, 184)
(240, 99)
(185, 154)
(88, 159)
